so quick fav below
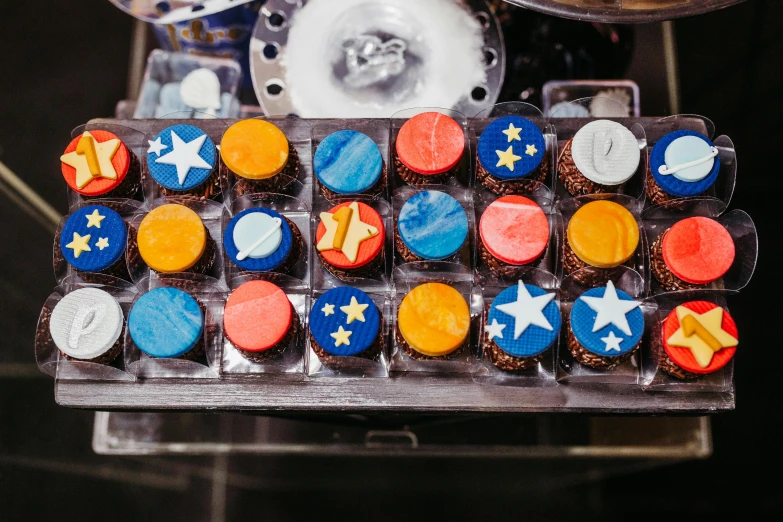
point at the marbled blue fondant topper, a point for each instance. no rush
(606, 321)
(93, 238)
(511, 142)
(678, 148)
(433, 225)
(270, 261)
(344, 321)
(165, 322)
(181, 157)
(526, 310)
(348, 162)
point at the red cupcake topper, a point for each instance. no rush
(700, 337)
(430, 143)
(95, 162)
(698, 250)
(514, 229)
(257, 316)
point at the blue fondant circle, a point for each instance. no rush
(363, 333)
(263, 264)
(493, 139)
(583, 318)
(433, 225)
(165, 322)
(112, 228)
(535, 339)
(166, 175)
(348, 162)
(672, 185)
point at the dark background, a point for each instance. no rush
(63, 63)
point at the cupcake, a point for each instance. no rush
(683, 164)
(168, 323)
(605, 327)
(93, 241)
(511, 153)
(172, 238)
(349, 240)
(433, 322)
(262, 240)
(183, 161)
(431, 226)
(601, 234)
(260, 303)
(429, 148)
(345, 322)
(514, 232)
(534, 320)
(699, 338)
(87, 325)
(693, 253)
(600, 157)
(99, 164)
(259, 155)
(348, 162)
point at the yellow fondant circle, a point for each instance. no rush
(171, 238)
(603, 234)
(434, 319)
(254, 149)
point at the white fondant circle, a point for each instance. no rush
(250, 228)
(605, 152)
(86, 323)
(684, 150)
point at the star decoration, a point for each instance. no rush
(612, 342)
(507, 158)
(94, 219)
(495, 330)
(341, 337)
(102, 243)
(328, 309)
(527, 310)
(346, 227)
(354, 310)
(92, 159)
(185, 156)
(531, 150)
(156, 146)
(703, 334)
(512, 133)
(79, 244)
(611, 309)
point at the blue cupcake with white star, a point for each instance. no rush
(683, 164)
(606, 326)
(347, 162)
(345, 322)
(510, 148)
(431, 225)
(167, 323)
(260, 240)
(523, 321)
(182, 158)
(93, 239)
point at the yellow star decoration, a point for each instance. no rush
(94, 219)
(341, 337)
(531, 150)
(328, 309)
(702, 333)
(92, 159)
(102, 243)
(512, 133)
(507, 158)
(79, 244)
(354, 310)
(345, 231)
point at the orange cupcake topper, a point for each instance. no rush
(603, 234)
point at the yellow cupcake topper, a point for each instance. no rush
(254, 149)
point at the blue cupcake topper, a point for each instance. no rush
(344, 321)
(348, 162)
(258, 239)
(433, 225)
(181, 157)
(607, 321)
(511, 147)
(523, 320)
(93, 238)
(165, 322)
(684, 163)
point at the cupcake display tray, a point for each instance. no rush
(412, 391)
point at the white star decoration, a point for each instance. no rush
(495, 330)
(611, 309)
(185, 156)
(612, 342)
(527, 310)
(156, 146)
(328, 309)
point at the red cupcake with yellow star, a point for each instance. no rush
(98, 164)
(349, 240)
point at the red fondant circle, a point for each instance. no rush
(683, 357)
(698, 250)
(257, 316)
(96, 187)
(430, 143)
(514, 229)
(368, 249)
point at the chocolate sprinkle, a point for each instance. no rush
(506, 187)
(502, 359)
(588, 358)
(372, 353)
(502, 269)
(276, 183)
(573, 180)
(658, 267)
(414, 178)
